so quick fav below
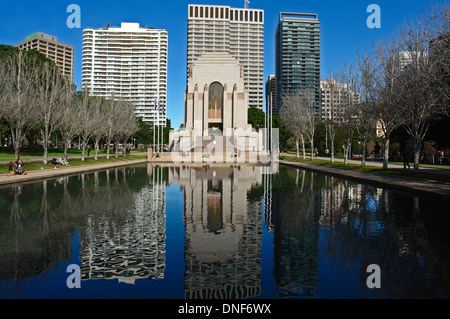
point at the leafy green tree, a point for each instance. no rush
(256, 118)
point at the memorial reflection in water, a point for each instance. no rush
(207, 232)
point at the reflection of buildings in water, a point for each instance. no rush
(223, 231)
(267, 187)
(296, 240)
(127, 243)
(334, 201)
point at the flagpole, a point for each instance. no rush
(265, 124)
(154, 127)
(162, 133)
(158, 128)
(271, 125)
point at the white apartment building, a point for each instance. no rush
(238, 31)
(129, 62)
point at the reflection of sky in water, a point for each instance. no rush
(315, 242)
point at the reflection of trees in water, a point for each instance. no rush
(37, 221)
(296, 234)
(358, 225)
(375, 226)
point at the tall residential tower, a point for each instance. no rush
(238, 31)
(129, 62)
(297, 56)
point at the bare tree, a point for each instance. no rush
(99, 131)
(420, 101)
(85, 107)
(17, 88)
(293, 117)
(125, 125)
(68, 124)
(332, 93)
(349, 99)
(108, 122)
(388, 113)
(437, 23)
(48, 107)
(366, 87)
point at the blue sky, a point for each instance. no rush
(343, 28)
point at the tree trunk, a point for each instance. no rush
(386, 151)
(346, 153)
(96, 148)
(108, 145)
(66, 149)
(84, 142)
(303, 147)
(45, 157)
(312, 148)
(15, 136)
(332, 148)
(416, 144)
(363, 155)
(296, 145)
(116, 149)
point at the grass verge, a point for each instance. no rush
(74, 163)
(421, 175)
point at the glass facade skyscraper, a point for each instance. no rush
(297, 57)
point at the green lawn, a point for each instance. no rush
(392, 171)
(7, 154)
(74, 163)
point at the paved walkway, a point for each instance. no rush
(430, 187)
(436, 169)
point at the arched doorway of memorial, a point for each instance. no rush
(215, 103)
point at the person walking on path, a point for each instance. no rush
(405, 155)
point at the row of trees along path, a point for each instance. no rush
(34, 93)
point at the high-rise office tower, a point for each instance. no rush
(297, 56)
(129, 62)
(61, 54)
(238, 31)
(271, 96)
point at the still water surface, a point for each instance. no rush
(219, 232)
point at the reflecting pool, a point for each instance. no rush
(219, 232)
